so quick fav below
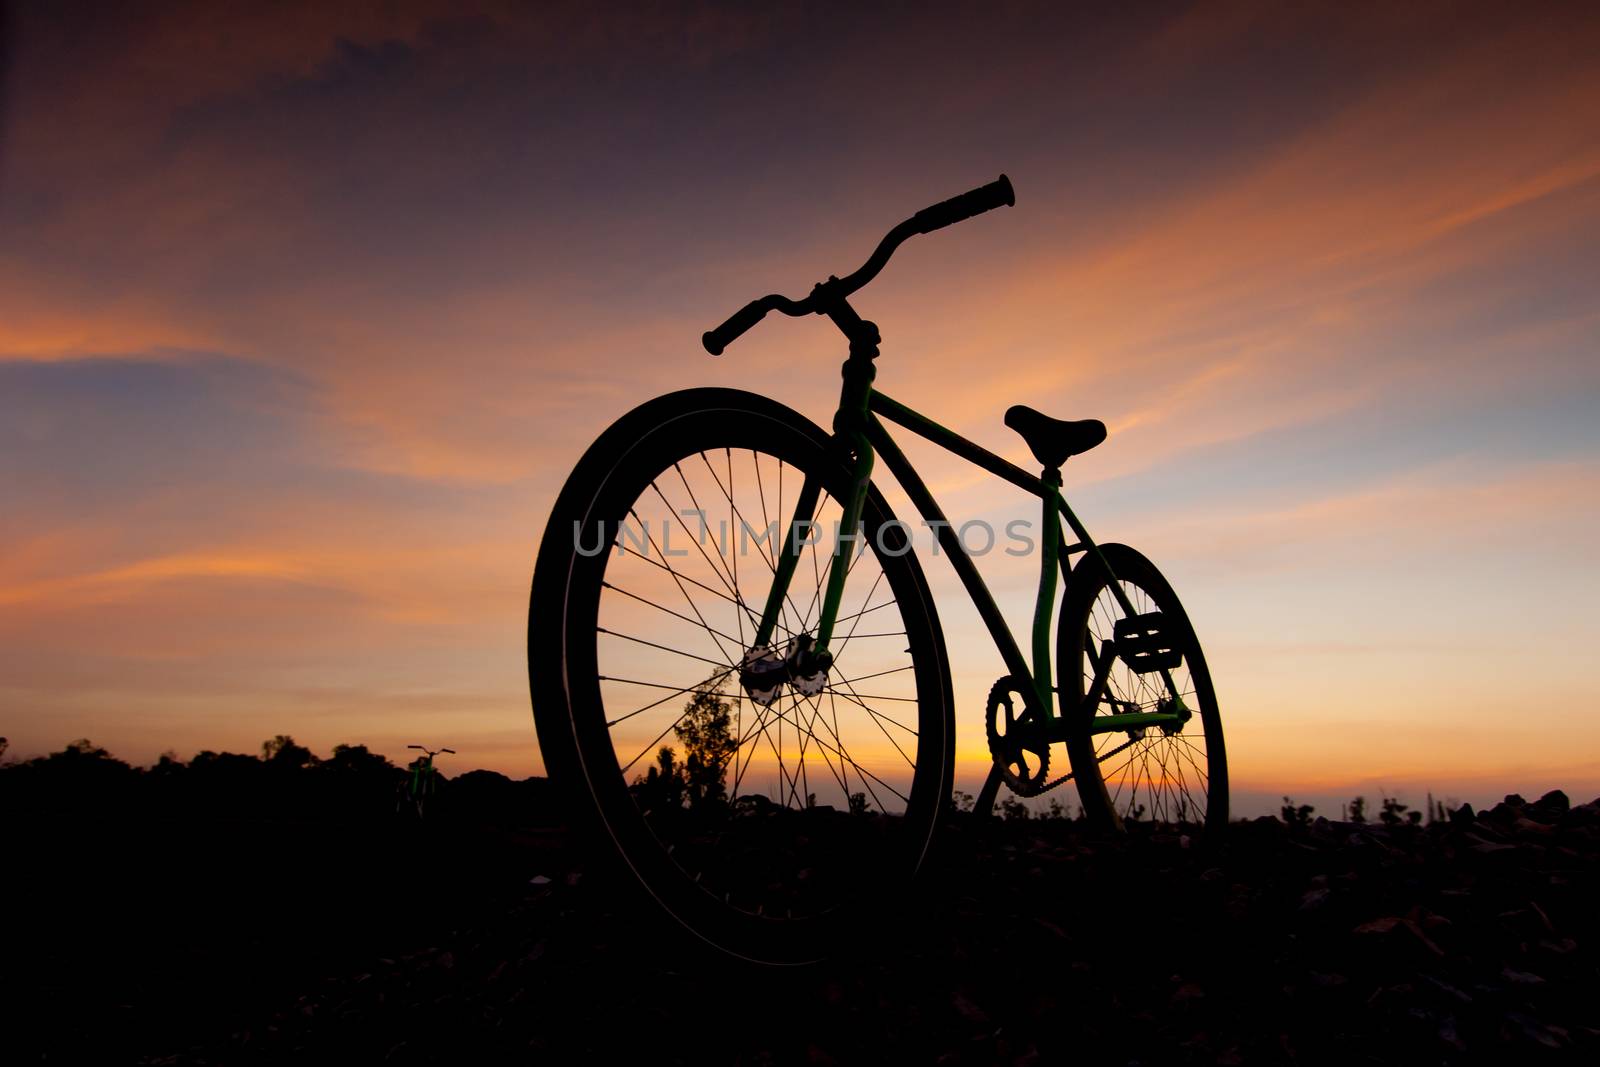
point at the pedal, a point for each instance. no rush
(1148, 643)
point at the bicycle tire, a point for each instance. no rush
(1131, 774)
(855, 865)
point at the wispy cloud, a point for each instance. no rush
(298, 341)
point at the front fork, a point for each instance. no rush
(809, 657)
(847, 544)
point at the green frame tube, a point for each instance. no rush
(804, 508)
(868, 438)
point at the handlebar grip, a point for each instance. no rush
(997, 193)
(740, 321)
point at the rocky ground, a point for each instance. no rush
(1467, 941)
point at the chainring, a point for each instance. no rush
(1016, 742)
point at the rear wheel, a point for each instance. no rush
(1173, 775)
(767, 829)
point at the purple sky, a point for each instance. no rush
(306, 310)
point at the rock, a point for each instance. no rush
(1508, 810)
(1054, 929)
(968, 1009)
(1554, 802)
(1390, 924)
(1485, 847)
(1532, 1029)
(1447, 989)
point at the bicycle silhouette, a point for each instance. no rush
(417, 790)
(682, 581)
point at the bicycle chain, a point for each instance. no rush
(1051, 785)
(1068, 776)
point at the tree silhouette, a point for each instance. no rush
(356, 759)
(81, 749)
(1296, 815)
(708, 746)
(282, 751)
(81, 777)
(700, 779)
(662, 787)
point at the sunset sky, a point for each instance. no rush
(306, 311)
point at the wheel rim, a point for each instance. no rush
(674, 618)
(1156, 776)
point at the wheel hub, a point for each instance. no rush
(764, 671)
(1172, 704)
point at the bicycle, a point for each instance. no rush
(844, 694)
(423, 785)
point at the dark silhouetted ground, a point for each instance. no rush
(479, 937)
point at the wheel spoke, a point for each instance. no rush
(750, 802)
(1164, 777)
(664, 648)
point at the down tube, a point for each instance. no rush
(901, 468)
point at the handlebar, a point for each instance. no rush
(997, 193)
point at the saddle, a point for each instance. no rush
(1053, 441)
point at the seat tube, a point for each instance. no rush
(1044, 607)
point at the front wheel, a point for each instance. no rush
(766, 823)
(1173, 774)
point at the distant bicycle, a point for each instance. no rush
(682, 575)
(420, 788)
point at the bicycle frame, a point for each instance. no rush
(861, 434)
(421, 776)
(859, 426)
